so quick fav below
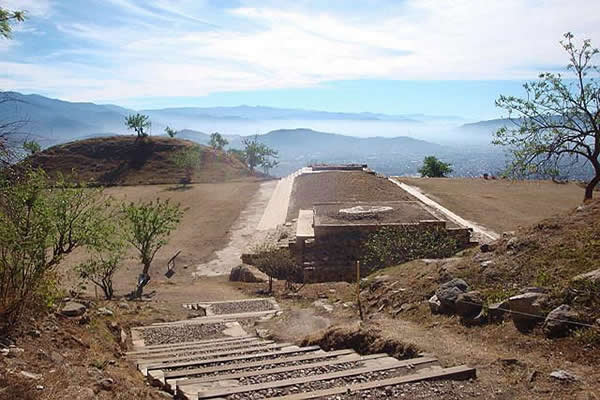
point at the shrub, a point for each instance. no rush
(396, 245)
(277, 263)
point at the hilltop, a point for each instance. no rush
(123, 160)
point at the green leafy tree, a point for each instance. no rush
(106, 255)
(7, 19)
(148, 226)
(276, 263)
(557, 124)
(434, 168)
(257, 154)
(170, 132)
(396, 245)
(189, 160)
(138, 123)
(39, 224)
(31, 146)
(217, 141)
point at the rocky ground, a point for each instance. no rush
(183, 333)
(235, 307)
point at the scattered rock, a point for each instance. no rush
(487, 247)
(124, 305)
(508, 234)
(322, 305)
(558, 321)
(485, 264)
(39, 387)
(246, 273)
(14, 352)
(533, 289)
(448, 292)
(434, 304)
(105, 311)
(526, 310)
(123, 335)
(563, 375)
(30, 375)
(34, 333)
(469, 305)
(263, 333)
(82, 393)
(73, 309)
(4, 352)
(105, 384)
(592, 276)
(56, 357)
(497, 311)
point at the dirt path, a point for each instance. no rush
(485, 234)
(243, 234)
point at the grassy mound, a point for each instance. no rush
(123, 160)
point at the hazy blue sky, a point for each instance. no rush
(407, 56)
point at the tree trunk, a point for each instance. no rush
(270, 284)
(589, 189)
(139, 291)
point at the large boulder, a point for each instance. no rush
(246, 273)
(559, 322)
(73, 309)
(468, 305)
(526, 310)
(448, 292)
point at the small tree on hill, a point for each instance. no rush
(434, 168)
(31, 146)
(170, 132)
(558, 123)
(257, 153)
(276, 263)
(189, 160)
(217, 141)
(148, 226)
(138, 123)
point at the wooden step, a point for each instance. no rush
(193, 345)
(194, 392)
(217, 354)
(144, 367)
(203, 350)
(455, 373)
(353, 357)
(277, 361)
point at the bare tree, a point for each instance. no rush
(557, 124)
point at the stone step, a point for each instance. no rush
(455, 373)
(233, 367)
(237, 375)
(217, 354)
(204, 350)
(364, 361)
(200, 391)
(144, 367)
(195, 345)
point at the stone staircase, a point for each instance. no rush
(228, 363)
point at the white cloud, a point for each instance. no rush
(164, 51)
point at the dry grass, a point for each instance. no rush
(123, 160)
(501, 205)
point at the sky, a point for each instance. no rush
(436, 57)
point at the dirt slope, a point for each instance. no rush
(123, 160)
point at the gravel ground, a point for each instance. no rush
(182, 333)
(255, 359)
(252, 380)
(320, 385)
(446, 390)
(261, 368)
(235, 307)
(339, 186)
(239, 349)
(201, 357)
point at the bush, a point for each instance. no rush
(39, 225)
(396, 245)
(277, 263)
(434, 168)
